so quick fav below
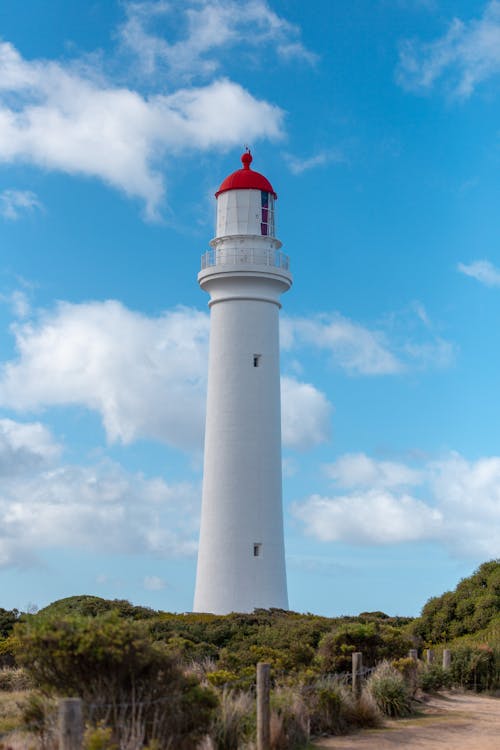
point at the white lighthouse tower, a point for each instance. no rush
(241, 558)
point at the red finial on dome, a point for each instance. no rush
(246, 159)
(246, 179)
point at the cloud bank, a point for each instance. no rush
(452, 501)
(145, 376)
(45, 505)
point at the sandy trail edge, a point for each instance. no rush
(450, 721)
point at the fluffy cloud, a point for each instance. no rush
(372, 517)
(466, 55)
(73, 121)
(458, 504)
(352, 346)
(208, 28)
(359, 470)
(24, 447)
(145, 376)
(483, 271)
(94, 508)
(306, 414)
(14, 203)
(406, 341)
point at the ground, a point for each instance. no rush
(451, 721)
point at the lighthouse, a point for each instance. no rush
(241, 556)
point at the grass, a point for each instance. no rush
(10, 711)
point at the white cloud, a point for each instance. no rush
(145, 376)
(359, 470)
(306, 414)
(25, 447)
(483, 271)
(466, 55)
(298, 165)
(352, 346)
(401, 343)
(72, 121)
(458, 504)
(207, 29)
(14, 203)
(95, 508)
(371, 517)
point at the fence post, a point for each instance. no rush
(70, 724)
(413, 654)
(429, 656)
(263, 706)
(446, 658)
(357, 668)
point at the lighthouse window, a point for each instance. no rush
(256, 360)
(257, 549)
(267, 214)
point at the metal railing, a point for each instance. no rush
(245, 257)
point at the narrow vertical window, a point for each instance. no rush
(257, 549)
(264, 202)
(256, 360)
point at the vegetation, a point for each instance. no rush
(471, 608)
(153, 679)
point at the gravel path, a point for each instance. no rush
(451, 721)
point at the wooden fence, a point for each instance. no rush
(71, 724)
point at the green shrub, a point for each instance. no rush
(330, 707)
(433, 677)
(409, 669)
(365, 712)
(137, 687)
(38, 714)
(388, 688)
(99, 737)
(475, 667)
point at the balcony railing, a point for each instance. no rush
(245, 257)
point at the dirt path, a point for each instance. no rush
(448, 722)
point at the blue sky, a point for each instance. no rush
(378, 125)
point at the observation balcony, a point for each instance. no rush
(245, 256)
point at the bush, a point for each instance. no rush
(331, 705)
(409, 669)
(133, 685)
(433, 677)
(388, 688)
(38, 715)
(13, 679)
(289, 720)
(475, 667)
(234, 722)
(365, 712)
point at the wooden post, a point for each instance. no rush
(446, 658)
(263, 707)
(413, 654)
(357, 669)
(70, 724)
(429, 656)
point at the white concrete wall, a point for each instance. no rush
(242, 495)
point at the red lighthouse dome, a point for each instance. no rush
(246, 179)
